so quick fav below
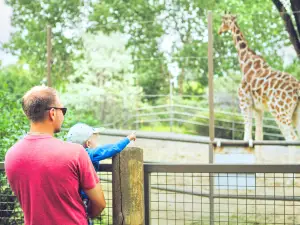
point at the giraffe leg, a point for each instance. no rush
(258, 134)
(245, 102)
(289, 134)
(247, 112)
(296, 118)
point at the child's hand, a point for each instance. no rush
(132, 137)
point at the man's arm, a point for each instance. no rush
(89, 183)
(97, 202)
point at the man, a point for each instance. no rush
(45, 173)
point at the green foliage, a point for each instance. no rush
(30, 20)
(13, 123)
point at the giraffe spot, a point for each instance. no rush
(277, 108)
(283, 86)
(247, 67)
(257, 64)
(277, 84)
(278, 92)
(259, 91)
(285, 76)
(254, 83)
(271, 74)
(289, 88)
(242, 45)
(295, 98)
(283, 95)
(238, 38)
(288, 100)
(286, 106)
(273, 83)
(244, 85)
(265, 73)
(237, 31)
(260, 82)
(266, 86)
(280, 103)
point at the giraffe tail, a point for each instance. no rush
(296, 114)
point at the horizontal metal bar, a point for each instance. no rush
(239, 143)
(221, 168)
(103, 167)
(158, 136)
(193, 138)
(208, 168)
(252, 197)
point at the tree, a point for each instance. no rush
(104, 83)
(292, 28)
(28, 41)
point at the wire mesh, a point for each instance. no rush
(238, 198)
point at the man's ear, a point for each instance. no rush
(52, 114)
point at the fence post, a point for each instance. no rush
(147, 197)
(171, 105)
(211, 113)
(49, 56)
(128, 187)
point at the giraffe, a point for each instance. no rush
(263, 88)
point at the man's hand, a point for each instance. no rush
(132, 137)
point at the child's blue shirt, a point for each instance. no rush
(104, 152)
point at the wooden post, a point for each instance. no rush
(211, 86)
(128, 187)
(49, 56)
(211, 113)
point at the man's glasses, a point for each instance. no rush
(64, 110)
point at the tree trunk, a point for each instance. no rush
(289, 24)
(296, 11)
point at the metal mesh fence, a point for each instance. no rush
(12, 214)
(231, 198)
(106, 217)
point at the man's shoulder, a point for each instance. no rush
(70, 145)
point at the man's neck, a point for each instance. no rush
(39, 129)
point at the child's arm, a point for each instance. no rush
(108, 151)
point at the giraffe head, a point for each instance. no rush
(227, 21)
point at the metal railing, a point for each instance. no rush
(242, 194)
(179, 114)
(182, 194)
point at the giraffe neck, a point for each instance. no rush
(246, 55)
(240, 42)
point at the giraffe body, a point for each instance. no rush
(264, 89)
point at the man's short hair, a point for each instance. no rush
(36, 101)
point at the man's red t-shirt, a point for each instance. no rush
(46, 175)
